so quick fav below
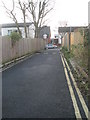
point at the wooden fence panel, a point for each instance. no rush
(20, 48)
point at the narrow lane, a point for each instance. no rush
(37, 88)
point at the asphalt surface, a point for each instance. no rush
(37, 88)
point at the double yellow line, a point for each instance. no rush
(76, 108)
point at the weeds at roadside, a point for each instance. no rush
(82, 82)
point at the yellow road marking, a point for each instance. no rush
(77, 112)
(78, 92)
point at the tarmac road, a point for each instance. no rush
(37, 88)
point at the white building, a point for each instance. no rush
(58, 36)
(6, 29)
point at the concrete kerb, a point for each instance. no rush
(75, 105)
(85, 108)
(16, 61)
(74, 68)
(12, 61)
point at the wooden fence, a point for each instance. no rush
(21, 47)
(75, 39)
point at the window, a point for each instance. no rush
(15, 31)
(9, 32)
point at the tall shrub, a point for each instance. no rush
(14, 37)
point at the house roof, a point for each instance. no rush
(10, 25)
(68, 29)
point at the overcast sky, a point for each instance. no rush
(75, 12)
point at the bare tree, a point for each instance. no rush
(23, 8)
(12, 15)
(39, 11)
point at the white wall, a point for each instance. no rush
(4, 31)
(59, 38)
(31, 31)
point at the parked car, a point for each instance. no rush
(55, 46)
(49, 46)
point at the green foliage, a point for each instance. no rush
(79, 53)
(67, 54)
(14, 37)
(85, 33)
(81, 31)
(86, 37)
